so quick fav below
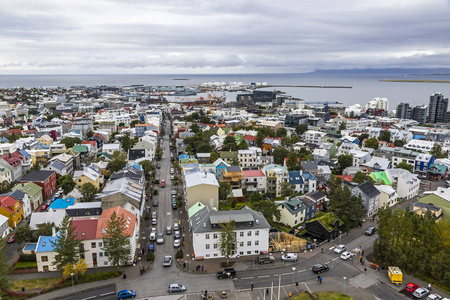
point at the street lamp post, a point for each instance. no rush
(340, 235)
(187, 258)
(345, 278)
(293, 275)
(73, 288)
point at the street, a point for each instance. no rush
(102, 293)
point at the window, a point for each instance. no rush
(207, 236)
(207, 255)
(207, 246)
(249, 252)
(215, 236)
(256, 243)
(93, 245)
(105, 263)
(100, 244)
(44, 258)
(82, 256)
(249, 233)
(106, 254)
(241, 253)
(101, 254)
(215, 246)
(257, 232)
(249, 243)
(241, 244)
(215, 255)
(241, 234)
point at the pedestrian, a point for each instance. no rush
(321, 250)
(365, 270)
(124, 276)
(252, 286)
(320, 280)
(206, 292)
(267, 291)
(429, 287)
(347, 232)
(202, 268)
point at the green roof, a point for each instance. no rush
(327, 219)
(228, 154)
(196, 208)
(29, 188)
(380, 176)
(80, 148)
(440, 169)
(439, 202)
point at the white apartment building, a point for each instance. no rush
(313, 136)
(419, 145)
(111, 148)
(247, 158)
(255, 181)
(251, 229)
(360, 157)
(345, 148)
(388, 196)
(407, 184)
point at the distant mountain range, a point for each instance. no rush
(402, 71)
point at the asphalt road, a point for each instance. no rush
(102, 293)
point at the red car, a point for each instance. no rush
(44, 207)
(11, 239)
(411, 287)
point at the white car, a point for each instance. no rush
(346, 255)
(434, 297)
(152, 236)
(289, 257)
(172, 177)
(153, 230)
(421, 293)
(339, 249)
(177, 243)
(172, 171)
(160, 238)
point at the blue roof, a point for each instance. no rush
(183, 156)
(45, 245)
(419, 137)
(62, 203)
(30, 247)
(24, 153)
(295, 178)
(135, 165)
(58, 165)
(308, 175)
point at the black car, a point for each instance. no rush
(319, 268)
(370, 231)
(226, 273)
(174, 204)
(155, 203)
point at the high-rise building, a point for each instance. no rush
(403, 111)
(420, 113)
(437, 110)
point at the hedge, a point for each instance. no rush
(27, 257)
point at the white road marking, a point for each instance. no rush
(301, 271)
(327, 262)
(247, 277)
(169, 213)
(105, 294)
(89, 298)
(335, 259)
(264, 276)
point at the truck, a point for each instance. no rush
(395, 275)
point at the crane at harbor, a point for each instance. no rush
(326, 106)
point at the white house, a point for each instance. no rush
(292, 212)
(388, 196)
(255, 181)
(407, 183)
(419, 145)
(313, 136)
(345, 148)
(247, 158)
(359, 157)
(251, 228)
(111, 148)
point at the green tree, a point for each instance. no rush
(214, 156)
(342, 126)
(23, 234)
(88, 191)
(372, 143)
(344, 161)
(281, 132)
(229, 139)
(126, 143)
(66, 183)
(116, 242)
(385, 135)
(267, 208)
(279, 154)
(195, 128)
(399, 143)
(5, 187)
(36, 166)
(70, 141)
(224, 190)
(227, 239)
(348, 208)
(286, 189)
(118, 162)
(360, 177)
(65, 245)
(301, 129)
(147, 166)
(89, 134)
(255, 197)
(292, 162)
(260, 139)
(45, 229)
(242, 145)
(436, 151)
(405, 166)
(134, 122)
(305, 154)
(5, 269)
(362, 137)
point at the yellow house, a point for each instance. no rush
(45, 140)
(42, 155)
(12, 209)
(234, 176)
(87, 176)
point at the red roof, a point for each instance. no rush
(85, 229)
(346, 177)
(93, 143)
(14, 159)
(253, 173)
(249, 137)
(100, 136)
(29, 131)
(127, 108)
(120, 212)
(8, 203)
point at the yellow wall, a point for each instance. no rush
(203, 193)
(44, 141)
(83, 178)
(13, 218)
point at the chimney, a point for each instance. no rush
(53, 231)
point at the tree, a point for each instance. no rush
(362, 137)
(147, 166)
(78, 269)
(35, 166)
(372, 143)
(5, 187)
(286, 189)
(65, 245)
(227, 239)
(224, 190)
(279, 154)
(134, 122)
(342, 126)
(214, 156)
(301, 129)
(229, 139)
(267, 208)
(116, 242)
(45, 229)
(292, 162)
(360, 177)
(344, 161)
(118, 162)
(436, 151)
(23, 234)
(405, 166)
(242, 145)
(126, 143)
(255, 197)
(260, 139)
(399, 143)
(89, 134)
(88, 191)
(348, 208)
(70, 141)
(305, 154)
(385, 135)
(5, 269)
(195, 128)
(281, 132)
(66, 183)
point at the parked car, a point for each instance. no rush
(153, 229)
(11, 239)
(174, 193)
(289, 257)
(160, 238)
(44, 207)
(168, 230)
(421, 293)
(154, 222)
(154, 214)
(126, 294)
(434, 297)
(370, 230)
(319, 268)
(224, 273)
(411, 287)
(174, 204)
(155, 203)
(339, 249)
(177, 243)
(265, 259)
(177, 234)
(151, 248)
(163, 183)
(172, 177)
(346, 255)
(176, 226)
(176, 288)
(152, 236)
(167, 261)
(172, 170)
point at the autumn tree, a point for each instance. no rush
(77, 269)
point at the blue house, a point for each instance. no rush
(309, 182)
(220, 166)
(296, 179)
(310, 208)
(422, 164)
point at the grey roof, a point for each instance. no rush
(201, 221)
(37, 176)
(198, 178)
(309, 165)
(82, 205)
(315, 195)
(57, 165)
(369, 189)
(233, 169)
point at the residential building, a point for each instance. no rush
(293, 120)
(403, 111)
(229, 156)
(234, 177)
(43, 178)
(12, 209)
(359, 157)
(406, 184)
(62, 204)
(276, 175)
(377, 164)
(422, 163)
(422, 209)
(388, 196)
(292, 212)
(45, 253)
(48, 216)
(4, 227)
(247, 158)
(5, 173)
(124, 192)
(33, 191)
(111, 148)
(314, 137)
(251, 231)
(324, 227)
(420, 114)
(345, 148)
(397, 155)
(85, 209)
(201, 187)
(437, 108)
(419, 145)
(369, 194)
(220, 166)
(88, 175)
(255, 181)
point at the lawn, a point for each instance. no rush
(25, 265)
(323, 296)
(32, 284)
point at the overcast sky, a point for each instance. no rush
(218, 36)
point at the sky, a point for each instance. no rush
(217, 36)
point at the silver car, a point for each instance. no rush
(177, 243)
(167, 261)
(160, 238)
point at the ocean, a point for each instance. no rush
(365, 85)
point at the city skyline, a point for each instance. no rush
(103, 37)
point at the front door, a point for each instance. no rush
(94, 259)
(45, 268)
